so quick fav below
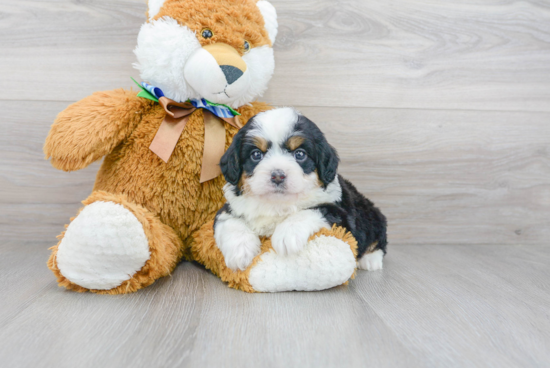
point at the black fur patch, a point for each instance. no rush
(359, 216)
(321, 155)
(236, 159)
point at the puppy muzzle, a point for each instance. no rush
(278, 177)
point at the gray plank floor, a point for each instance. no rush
(432, 306)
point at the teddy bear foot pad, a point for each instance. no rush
(326, 262)
(103, 247)
(114, 246)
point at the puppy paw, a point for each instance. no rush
(371, 261)
(289, 238)
(239, 250)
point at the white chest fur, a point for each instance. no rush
(263, 214)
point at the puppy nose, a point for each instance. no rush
(231, 73)
(278, 177)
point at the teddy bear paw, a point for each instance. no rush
(103, 246)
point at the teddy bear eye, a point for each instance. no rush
(207, 33)
(246, 46)
(256, 155)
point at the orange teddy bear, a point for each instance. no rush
(205, 62)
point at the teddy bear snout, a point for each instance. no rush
(226, 55)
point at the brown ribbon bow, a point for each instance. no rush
(177, 116)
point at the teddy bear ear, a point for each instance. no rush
(270, 18)
(154, 7)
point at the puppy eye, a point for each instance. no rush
(300, 155)
(246, 46)
(207, 33)
(256, 155)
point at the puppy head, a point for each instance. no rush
(220, 50)
(279, 154)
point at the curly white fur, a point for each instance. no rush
(325, 262)
(238, 244)
(291, 235)
(163, 48)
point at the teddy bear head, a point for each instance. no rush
(219, 50)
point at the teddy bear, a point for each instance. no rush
(203, 63)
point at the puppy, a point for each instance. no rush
(282, 182)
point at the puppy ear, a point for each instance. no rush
(230, 162)
(326, 157)
(327, 161)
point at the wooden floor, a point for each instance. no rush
(432, 306)
(440, 111)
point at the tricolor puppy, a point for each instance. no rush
(282, 182)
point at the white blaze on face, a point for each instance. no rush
(275, 125)
(296, 183)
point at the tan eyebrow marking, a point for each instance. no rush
(260, 143)
(294, 142)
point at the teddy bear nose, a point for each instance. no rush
(231, 73)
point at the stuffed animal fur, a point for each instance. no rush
(144, 214)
